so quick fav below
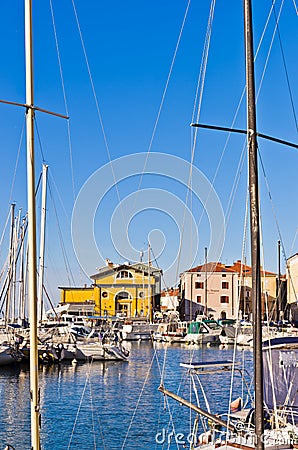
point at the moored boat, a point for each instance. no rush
(203, 332)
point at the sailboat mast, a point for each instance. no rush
(8, 295)
(32, 266)
(42, 240)
(254, 224)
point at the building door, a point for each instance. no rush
(123, 301)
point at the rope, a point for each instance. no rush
(65, 258)
(138, 401)
(161, 105)
(99, 114)
(200, 88)
(294, 241)
(4, 229)
(237, 311)
(171, 413)
(203, 422)
(241, 161)
(270, 46)
(65, 102)
(80, 405)
(17, 161)
(92, 417)
(275, 218)
(285, 67)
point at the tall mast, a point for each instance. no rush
(42, 239)
(278, 297)
(206, 287)
(254, 224)
(149, 286)
(8, 295)
(32, 266)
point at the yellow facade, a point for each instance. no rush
(124, 290)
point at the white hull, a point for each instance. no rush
(9, 355)
(100, 352)
(208, 338)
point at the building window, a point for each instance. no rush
(141, 294)
(198, 274)
(199, 285)
(224, 299)
(199, 299)
(225, 285)
(224, 275)
(104, 294)
(124, 274)
(123, 295)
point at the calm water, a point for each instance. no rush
(112, 406)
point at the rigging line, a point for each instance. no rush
(39, 140)
(295, 6)
(162, 275)
(64, 254)
(276, 221)
(264, 29)
(235, 115)
(161, 104)
(99, 113)
(272, 205)
(91, 81)
(203, 422)
(65, 101)
(270, 46)
(169, 76)
(171, 413)
(245, 228)
(17, 161)
(80, 404)
(199, 93)
(138, 400)
(293, 243)
(4, 229)
(92, 415)
(59, 195)
(286, 70)
(203, 67)
(235, 184)
(200, 88)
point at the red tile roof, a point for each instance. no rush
(212, 267)
(246, 270)
(237, 267)
(171, 292)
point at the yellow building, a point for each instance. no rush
(127, 290)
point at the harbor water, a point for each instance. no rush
(115, 405)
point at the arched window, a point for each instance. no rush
(123, 295)
(124, 274)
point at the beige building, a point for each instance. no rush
(292, 285)
(213, 287)
(222, 290)
(268, 290)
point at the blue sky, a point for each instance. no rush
(130, 46)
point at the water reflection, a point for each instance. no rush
(110, 405)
